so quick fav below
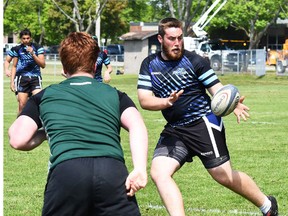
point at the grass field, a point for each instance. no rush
(258, 147)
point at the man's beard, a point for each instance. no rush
(170, 54)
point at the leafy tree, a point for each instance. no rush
(254, 17)
(117, 15)
(57, 26)
(83, 14)
(113, 22)
(188, 11)
(28, 15)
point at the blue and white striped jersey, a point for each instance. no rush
(191, 73)
(26, 64)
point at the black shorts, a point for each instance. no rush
(89, 186)
(204, 138)
(27, 84)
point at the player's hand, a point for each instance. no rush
(241, 110)
(135, 181)
(174, 97)
(107, 78)
(29, 49)
(8, 73)
(12, 87)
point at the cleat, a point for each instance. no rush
(274, 207)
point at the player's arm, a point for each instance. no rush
(213, 89)
(24, 134)
(13, 73)
(132, 121)
(107, 73)
(150, 102)
(39, 59)
(241, 110)
(7, 62)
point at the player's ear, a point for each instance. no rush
(160, 39)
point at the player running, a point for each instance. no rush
(175, 82)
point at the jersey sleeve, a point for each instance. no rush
(205, 73)
(39, 49)
(12, 52)
(31, 108)
(125, 101)
(106, 59)
(144, 77)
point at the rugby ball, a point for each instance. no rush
(225, 100)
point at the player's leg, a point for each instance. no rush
(238, 182)
(162, 170)
(245, 186)
(219, 166)
(169, 154)
(36, 85)
(23, 91)
(22, 98)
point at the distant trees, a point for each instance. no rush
(51, 20)
(255, 17)
(251, 16)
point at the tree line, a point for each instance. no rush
(51, 20)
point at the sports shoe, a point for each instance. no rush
(274, 207)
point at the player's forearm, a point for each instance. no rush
(109, 69)
(154, 103)
(13, 74)
(40, 60)
(6, 66)
(139, 146)
(36, 140)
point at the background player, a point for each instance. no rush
(26, 77)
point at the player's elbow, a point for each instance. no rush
(43, 65)
(16, 142)
(143, 104)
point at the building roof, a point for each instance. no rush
(138, 35)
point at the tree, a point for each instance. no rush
(83, 15)
(187, 11)
(113, 24)
(254, 17)
(29, 15)
(5, 4)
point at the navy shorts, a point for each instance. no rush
(204, 138)
(89, 186)
(27, 84)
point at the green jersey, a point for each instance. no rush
(81, 118)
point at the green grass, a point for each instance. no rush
(257, 147)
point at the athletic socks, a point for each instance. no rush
(266, 206)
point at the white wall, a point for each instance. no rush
(135, 52)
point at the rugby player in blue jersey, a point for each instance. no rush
(7, 62)
(25, 79)
(103, 58)
(175, 81)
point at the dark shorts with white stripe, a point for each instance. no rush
(204, 138)
(27, 84)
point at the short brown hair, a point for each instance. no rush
(78, 53)
(168, 22)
